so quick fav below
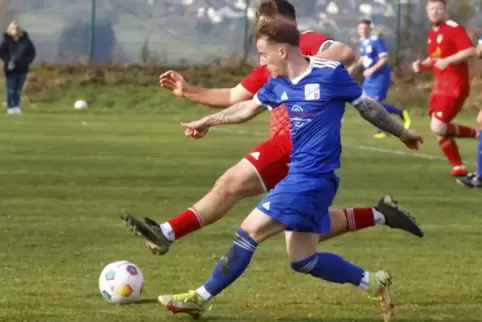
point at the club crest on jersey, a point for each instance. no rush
(312, 92)
(439, 39)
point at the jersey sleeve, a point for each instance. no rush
(380, 47)
(255, 80)
(315, 43)
(460, 38)
(266, 97)
(345, 88)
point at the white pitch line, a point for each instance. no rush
(396, 152)
(352, 146)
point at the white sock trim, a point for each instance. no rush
(203, 293)
(350, 219)
(378, 217)
(365, 281)
(167, 231)
(199, 218)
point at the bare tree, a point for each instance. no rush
(7, 15)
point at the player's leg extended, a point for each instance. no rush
(443, 110)
(238, 182)
(333, 268)
(386, 212)
(259, 171)
(256, 228)
(475, 179)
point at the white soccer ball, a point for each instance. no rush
(121, 282)
(80, 104)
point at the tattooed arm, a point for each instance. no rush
(375, 113)
(238, 113)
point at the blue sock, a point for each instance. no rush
(231, 265)
(393, 110)
(479, 156)
(331, 268)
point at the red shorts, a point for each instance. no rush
(270, 160)
(446, 108)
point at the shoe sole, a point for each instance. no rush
(132, 224)
(410, 221)
(468, 185)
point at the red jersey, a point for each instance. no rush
(447, 40)
(310, 44)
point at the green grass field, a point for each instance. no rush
(65, 177)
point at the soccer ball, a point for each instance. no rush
(121, 282)
(80, 104)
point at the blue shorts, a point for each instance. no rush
(377, 88)
(302, 202)
(377, 92)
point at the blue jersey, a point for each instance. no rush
(376, 85)
(316, 103)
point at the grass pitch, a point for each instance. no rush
(64, 178)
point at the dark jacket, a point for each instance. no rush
(18, 54)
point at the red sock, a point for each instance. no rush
(460, 131)
(451, 151)
(359, 218)
(186, 222)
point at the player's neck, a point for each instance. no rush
(436, 26)
(297, 66)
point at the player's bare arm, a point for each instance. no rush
(356, 65)
(478, 50)
(460, 57)
(238, 113)
(382, 61)
(337, 51)
(213, 97)
(422, 65)
(375, 113)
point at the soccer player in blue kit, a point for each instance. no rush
(374, 59)
(314, 92)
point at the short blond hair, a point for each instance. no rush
(13, 24)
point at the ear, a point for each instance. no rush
(283, 52)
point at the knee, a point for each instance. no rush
(479, 119)
(304, 266)
(229, 184)
(238, 182)
(438, 127)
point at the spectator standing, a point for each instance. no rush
(17, 52)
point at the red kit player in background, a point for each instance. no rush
(449, 48)
(267, 163)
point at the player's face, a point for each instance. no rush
(364, 30)
(273, 57)
(437, 12)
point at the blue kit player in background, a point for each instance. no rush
(374, 59)
(314, 92)
(474, 180)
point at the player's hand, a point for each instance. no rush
(196, 129)
(416, 66)
(174, 82)
(411, 139)
(442, 63)
(368, 72)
